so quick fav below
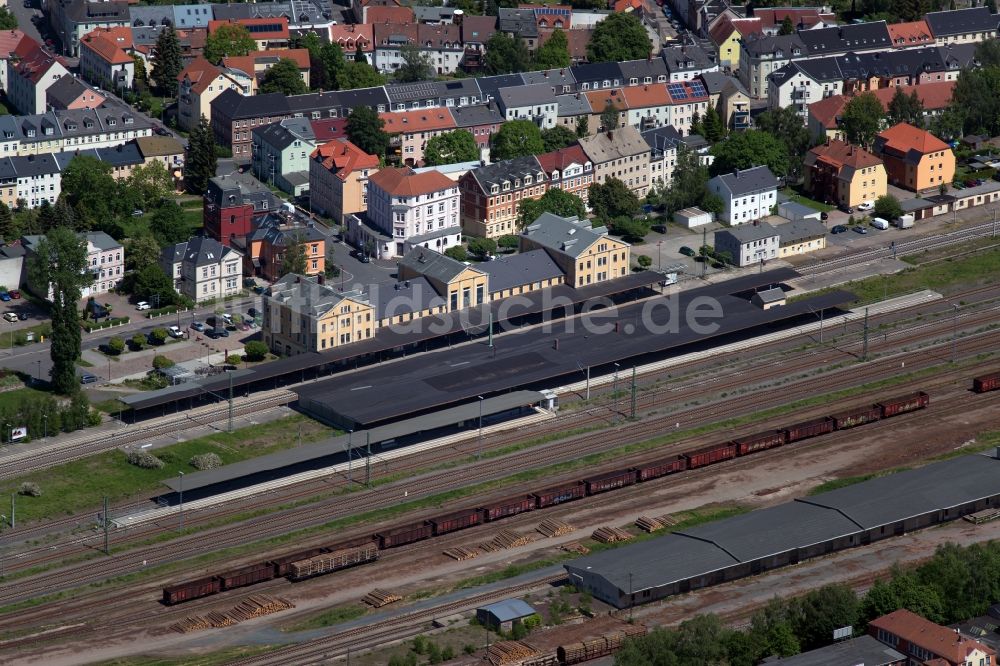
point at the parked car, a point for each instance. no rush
(137, 212)
(838, 229)
(971, 182)
(846, 209)
(860, 229)
(216, 333)
(87, 378)
(10, 316)
(175, 332)
(14, 293)
(252, 313)
(142, 305)
(23, 316)
(4, 296)
(824, 216)
(866, 205)
(161, 131)
(198, 326)
(686, 251)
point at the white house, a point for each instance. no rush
(749, 244)
(105, 262)
(203, 269)
(746, 195)
(536, 103)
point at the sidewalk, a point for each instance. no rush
(197, 352)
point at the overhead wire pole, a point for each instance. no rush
(633, 392)
(368, 459)
(107, 522)
(864, 350)
(954, 331)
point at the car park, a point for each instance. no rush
(175, 332)
(860, 229)
(198, 326)
(10, 316)
(838, 229)
(142, 305)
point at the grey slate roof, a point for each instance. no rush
(573, 105)
(199, 251)
(565, 235)
(36, 165)
(686, 58)
(304, 294)
(400, 298)
(433, 265)
(102, 241)
(520, 269)
(555, 77)
(961, 21)
(607, 146)
(801, 230)
(283, 134)
(507, 171)
(520, 22)
(437, 233)
(65, 91)
(842, 38)
(748, 233)
(434, 91)
(192, 16)
(861, 650)
(508, 609)
(748, 180)
(785, 45)
(522, 95)
(432, 14)
(151, 15)
(123, 155)
(480, 114)
(714, 81)
(596, 73)
(491, 85)
(652, 68)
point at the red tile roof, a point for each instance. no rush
(120, 35)
(806, 16)
(248, 63)
(327, 129)
(34, 62)
(933, 96)
(941, 641)
(348, 36)
(840, 154)
(912, 33)
(105, 49)
(9, 39)
(558, 160)
(653, 94)
(343, 157)
(408, 183)
(599, 99)
(903, 138)
(418, 120)
(389, 15)
(628, 5)
(201, 73)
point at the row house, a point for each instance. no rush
(476, 33)
(254, 66)
(32, 180)
(407, 209)
(105, 263)
(411, 130)
(663, 143)
(203, 269)
(687, 62)
(748, 244)
(432, 94)
(302, 15)
(231, 205)
(571, 108)
(122, 160)
(963, 26)
(914, 158)
(104, 62)
(481, 121)
(844, 175)
(70, 92)
(602, 101)
(281, 154)
(166, 150)
(338, 179)
(442, 44)
(31, 71)
(110, 124)
(729, 98)
(535, 103)
(910, 34)
(9, 39)
(726, 34)
(620, 154)
(72, 19)
(569, 169)
(492, 195)
(267, 33)
(199, 83)
(354, 39)
(824, 116)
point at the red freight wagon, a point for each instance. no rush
(710, 454)
(195, 589)
(508, 507)
(610, 481)
(660, 468)
(760, 441)
(250, 575)
(903, 404)
(986, 383)
(401, 536)
(456, 521)
(560, 494)
(806, 429)
(856, 417)
(281, 564)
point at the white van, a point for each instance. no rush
(879, 223)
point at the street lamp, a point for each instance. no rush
(479, 446)
(181, 503)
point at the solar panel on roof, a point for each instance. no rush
(677, 91)
(697, 89)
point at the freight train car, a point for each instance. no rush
(710, 455)
(508, 507)
(335, 560)
(806, 429)
(559, 494)
(459, 520)
(655, 470)
(193, 589)
(249, 575)
(282, 564)
(855, 417)
(610, 481)
(760, 441)
(400, 536)
(985, 383)
(903, 404)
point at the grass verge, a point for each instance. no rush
(217, 658)
(328, 618)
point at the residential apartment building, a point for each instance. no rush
(685, 63)
(203, 269)
(275, 234)
(255, 65)
(110, 124)
(440, 44)
(843, 174)
(963, 26)
(663, 143)
(70, 92)
(9, 39)
(407, 209)
(482, 121)
(32, 178)
(924, 642)
(199, 83)
(72, 19)
(586, 254)
(31, 71)
(411, 130)
(105, 262)
(621, 154)
(492, 195)
(535, 103)
(914, 158)
(748, 244)
(338, 179)
(910, 34)
(231, 205)
(747, 195)
(726, 34)
(166, 150)
(269, 33)
(761, 55)
(105, 63)
(824, 116)
(801, 237)
(569, 169)
(301, 314)
(281, 154)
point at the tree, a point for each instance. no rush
(786, 125)
(364, 128)
(7, 20)
(141, 251)
(168, 63)
(201, 162)
(359, 74)
(8, 230)
(168, 224)
(689, 184)
(619, 37)
(482, 247)
(887, 207)
(554, 52)
(711, 126)
(90, 189)
(255, 350)
(294, 258)
(787, 27)
(516, 138)
(150, 283)
(60, 261)
(510, 241)
(988, 53)
(116, 345)
(582, 126)
(284, 78)
(644, 261)
(326, 60)
(629, 228)
(556, 201)
(609, 117)
(158, 336)
(815, 615)
(457, 252)
(558, 137)
(505, 55)
(748, 149)
(229, 39)
(861, 119)
(451, 148)
(905, 108)
(417, 66)
(696, 127)
(149, 183)
(138, 341)
(612, 199)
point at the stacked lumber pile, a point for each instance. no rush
(251, 607)
(542, 660)
(459, 553)
(575, 547)
(649, 524)
(553, 528)
(610, 535)
(378, 598)
(511, 539)
(575, 653)
(668, 521)
(509, 652)
(984, 516)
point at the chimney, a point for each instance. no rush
(321, 279)
(611, 135)
(736, 173)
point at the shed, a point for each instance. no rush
(177, 374)
(769, 298)
(502, 615)
(796, 211)
(692, 217)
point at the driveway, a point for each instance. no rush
(23, 15)
(353, 272)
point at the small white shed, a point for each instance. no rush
(796, 211)
(692, 217)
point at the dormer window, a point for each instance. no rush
(633, 81)
(605, 83)
(506, 185)
(517, 182)
(129, 120)
(527, 180)
(494, 189)
(112, 122)
(30, 133)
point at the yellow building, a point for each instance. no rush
(914, 158)
(460, 286)
(301, 314)
(800, 237)
(844, 175)
(585, 254)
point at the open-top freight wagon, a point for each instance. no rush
(985, 383)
